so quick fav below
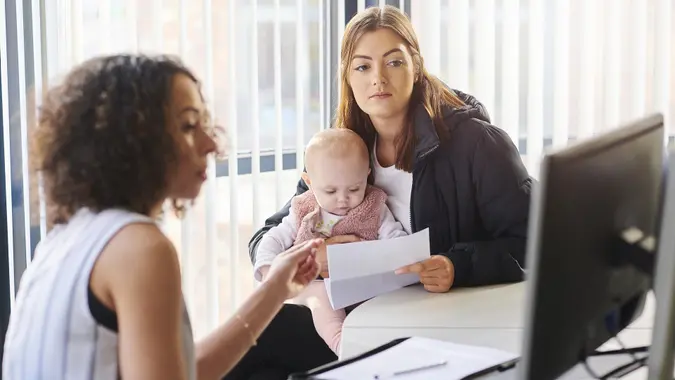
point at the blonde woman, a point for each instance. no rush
(435, 154)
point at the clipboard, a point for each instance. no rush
(315, 374)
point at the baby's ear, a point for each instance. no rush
(305, 177)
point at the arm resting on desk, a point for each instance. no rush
(502, 187)
(488, 262)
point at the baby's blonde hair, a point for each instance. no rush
(336, 144)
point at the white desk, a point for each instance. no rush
(488, 316)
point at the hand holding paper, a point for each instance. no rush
(437, 273)
(322, 255)
(360, 271)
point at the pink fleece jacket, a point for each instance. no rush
(362, 221)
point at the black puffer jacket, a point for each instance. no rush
(472, 192)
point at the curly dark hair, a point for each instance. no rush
(102, 140)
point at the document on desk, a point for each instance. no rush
(363, 270)
(422, 358)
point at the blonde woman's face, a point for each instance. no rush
(382, 74)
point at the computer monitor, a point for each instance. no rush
(579, 294)
(662, 350)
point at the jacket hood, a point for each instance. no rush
(427, 137)
(473, 109)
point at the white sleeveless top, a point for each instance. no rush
(52, 334)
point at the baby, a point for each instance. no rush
(339, 202)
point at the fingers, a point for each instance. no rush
(441, 277)
(437, 284)
(341, 239)
(323, 271)
(307, 271)
(301, 251)
(309, 244)
(312, 244)
(323, 268)
(436, 288)
(436, 272)
(321, 252)
(432, 264)
(429, 278)
(412, 268)
(309, 274)
(306, 264)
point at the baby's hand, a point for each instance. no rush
(321, 255)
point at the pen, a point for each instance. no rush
(415, 369)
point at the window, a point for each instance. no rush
(548, 71)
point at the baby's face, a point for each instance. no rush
(338, 184)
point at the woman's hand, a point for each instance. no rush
(290, 272)
(293, 270)
(322, 256)
(437, 273)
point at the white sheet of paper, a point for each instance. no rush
(459, 361)
(363, 270)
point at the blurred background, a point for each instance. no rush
(549, 72)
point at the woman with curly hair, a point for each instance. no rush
(102, 299)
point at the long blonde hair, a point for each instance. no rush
(427, 90)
